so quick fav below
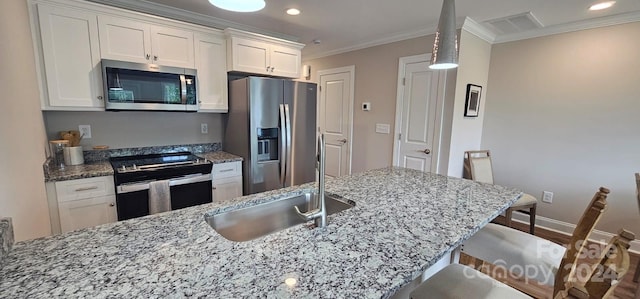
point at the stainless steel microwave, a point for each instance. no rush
(139, 86)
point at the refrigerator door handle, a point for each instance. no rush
(283, 145)
(288, 145)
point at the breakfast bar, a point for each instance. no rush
(402, 223)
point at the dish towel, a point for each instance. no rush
(159, 197)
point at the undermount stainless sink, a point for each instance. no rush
(260, 220)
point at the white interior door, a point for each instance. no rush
(418, 88)
(335, 117)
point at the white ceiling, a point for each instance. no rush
(344, 25)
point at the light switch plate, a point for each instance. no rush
(383, 128)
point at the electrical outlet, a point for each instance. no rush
(547, 196)
(204, 128)
(366, 106)
(85, 131)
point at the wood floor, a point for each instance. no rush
(626, 290)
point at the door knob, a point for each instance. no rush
(426, 151)
(344, 140)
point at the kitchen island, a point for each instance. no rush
(403, 222)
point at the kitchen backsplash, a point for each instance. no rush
(131, 129)
(101, 155)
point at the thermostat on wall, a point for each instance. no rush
(366, 106)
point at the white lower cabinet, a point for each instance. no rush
(226, 181)
(87, 212)
(82, 203)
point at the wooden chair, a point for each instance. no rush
(637, 275)
(605, 273)
(477, 167)
(459, 281)
(517, 250)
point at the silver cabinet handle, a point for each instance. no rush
(267, 68)
(100, 98)
(112, 204)
(272, 68)
(148, 56)
(155, 57)
(87, 188)
(226, 170)
(343, 141)
(426, 151)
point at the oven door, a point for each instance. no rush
(186, 191)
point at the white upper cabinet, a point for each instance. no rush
(72, 78)
(259, 54)
(135, 41)
(211, 64)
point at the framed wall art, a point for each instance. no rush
(472, 103)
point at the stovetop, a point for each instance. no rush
(155, 161)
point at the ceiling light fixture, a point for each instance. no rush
(293, 11)
(602, 5)
(239, 5)
(445, 46)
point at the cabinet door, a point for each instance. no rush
(126, 40)
(172, 47)
(227, 188)
(88, 212)
(211, 64)
(71, 53)
(285, 62)
(250, 56)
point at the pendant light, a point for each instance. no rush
(445, 45)
(239, 5)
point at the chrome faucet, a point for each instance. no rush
(318, 214)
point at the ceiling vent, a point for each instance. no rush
(514, 24)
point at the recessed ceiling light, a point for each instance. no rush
(239, 5)
(602, 5)
(293, 11)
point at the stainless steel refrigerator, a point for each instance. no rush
(272, 125)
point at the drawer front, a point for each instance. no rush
(225, 170)
(84, 188)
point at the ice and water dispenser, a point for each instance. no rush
(267, 144)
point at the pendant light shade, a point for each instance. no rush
(445, 45)
(239, 5)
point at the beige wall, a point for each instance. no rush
(562, 115)
(376, 77)
(466, 132)
(135, 129)
(22, 193)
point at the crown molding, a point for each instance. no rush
(478, 30)
(373, 43)
(166, 11)
(571, 27)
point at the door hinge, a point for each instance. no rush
(400, 136)
(320, 88)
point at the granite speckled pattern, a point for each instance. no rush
(103, 168)
(220, 157)
(101, 155)
(403, 222)
(82, 171)
(6, 238)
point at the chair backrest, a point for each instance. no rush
(606, 273)
(478, 167)
(638, 188)
(578, 242)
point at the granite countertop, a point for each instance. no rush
(403, 222)
(103, 168)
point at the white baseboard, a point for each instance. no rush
(567, 229)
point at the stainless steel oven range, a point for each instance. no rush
(188, 177)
